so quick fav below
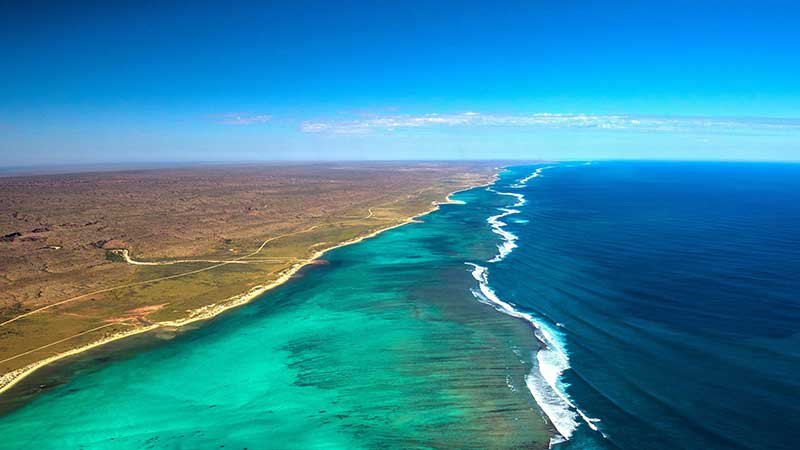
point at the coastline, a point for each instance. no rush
(10, 379)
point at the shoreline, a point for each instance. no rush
(10, 379)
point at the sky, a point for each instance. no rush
(109, 81)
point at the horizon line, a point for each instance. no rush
(122, 166)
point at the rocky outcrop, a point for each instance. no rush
(10, 236)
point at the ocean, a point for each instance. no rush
(628, 305)
(672, 295)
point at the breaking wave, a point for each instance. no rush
(544, 381)
(524, 181)
(509, 239)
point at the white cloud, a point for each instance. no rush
(389, 123)
(241, 119)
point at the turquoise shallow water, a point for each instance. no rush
(382, 347)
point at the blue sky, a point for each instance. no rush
(87, 82)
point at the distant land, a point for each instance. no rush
(93, 256)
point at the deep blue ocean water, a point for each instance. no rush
(674, 292)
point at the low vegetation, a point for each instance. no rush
(194, 240)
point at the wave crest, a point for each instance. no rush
(552, 360)
(524, 181)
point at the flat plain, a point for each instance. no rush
(87, 258)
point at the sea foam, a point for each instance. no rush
(509, 239)
(524, 181)
(520, 198)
